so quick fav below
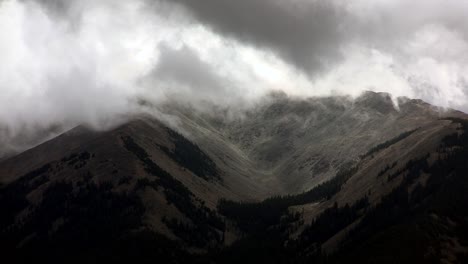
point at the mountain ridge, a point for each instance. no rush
(217, 184)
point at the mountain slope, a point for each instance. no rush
(294, 144)
(331, 166)
(110, 176)
(409, 212)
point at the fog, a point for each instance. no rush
(65, 63)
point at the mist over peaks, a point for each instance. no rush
(66, 63)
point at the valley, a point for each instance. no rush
(288, 181)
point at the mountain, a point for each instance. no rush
(290, 180)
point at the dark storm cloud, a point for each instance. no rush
(423, 40)
(308, 34)
(311, 34)
(182, 75)
(184, 67)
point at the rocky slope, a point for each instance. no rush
(295, 144)
(195, 188)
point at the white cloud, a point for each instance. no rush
(87, 61)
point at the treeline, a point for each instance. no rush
(406, 217)
(206, 226)
(13, 196)
(387, 168)
(327, 189)
(330, 222)
(412, 168)
(191, 157)
(86, 223)
(254, 216)
(388, 143)
(267, 226)
(401, 221)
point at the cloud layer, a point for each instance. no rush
(305, 33)
(72, 62)
(414, 48)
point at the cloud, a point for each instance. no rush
(424, 43)
(184, 69)
(70, 62)
(306, 33)
(53, 70)
(59, 72)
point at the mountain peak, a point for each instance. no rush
(382, 102)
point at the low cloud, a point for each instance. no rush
(71, 62)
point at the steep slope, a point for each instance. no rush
(291, 145)
(417, 207)
(140, 177)
(147, 190)
(409, 211)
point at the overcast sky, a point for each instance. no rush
(85, 61)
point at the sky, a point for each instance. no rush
(72, 62)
